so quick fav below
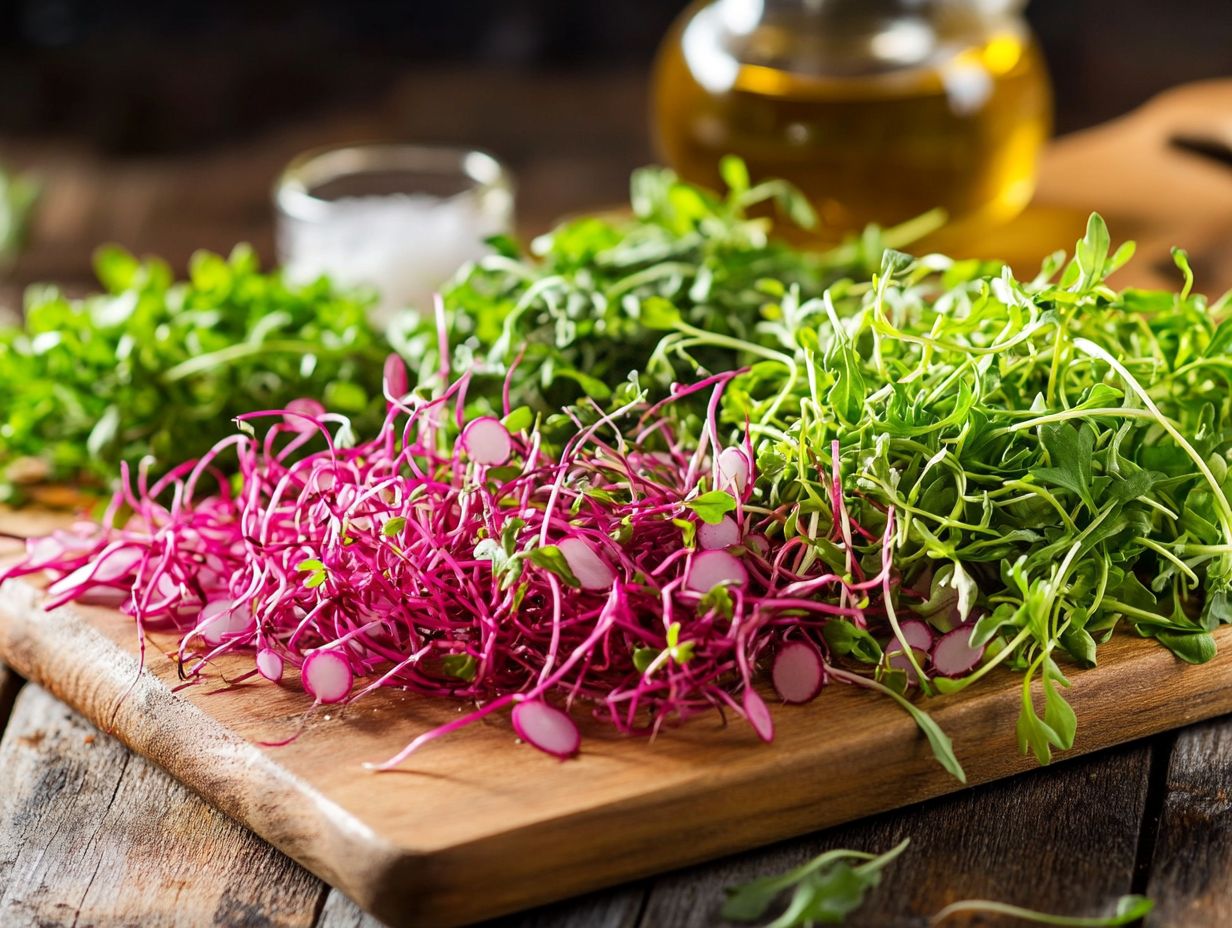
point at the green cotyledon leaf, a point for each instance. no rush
(712, 506)
(824, 891)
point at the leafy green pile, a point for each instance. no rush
(585, 310)
(1056, 453)
(155, 368)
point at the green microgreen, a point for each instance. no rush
(156, 371)
(823, 891)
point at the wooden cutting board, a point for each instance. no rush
(1149, 188)
(477, 824)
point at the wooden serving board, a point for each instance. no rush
(477, 824)
(1145, 185)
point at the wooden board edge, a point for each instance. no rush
(189, 744)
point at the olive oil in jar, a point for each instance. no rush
(879, 111)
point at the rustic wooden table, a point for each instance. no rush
(92, 835)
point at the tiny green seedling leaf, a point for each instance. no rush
(643, 658)
(462, 666)
(717, 600)
(712, 506)
(550, 558)
(823, 891)
(316, 572)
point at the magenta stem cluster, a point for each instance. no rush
(482, 569)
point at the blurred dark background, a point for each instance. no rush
(162, 125)
(136, 76)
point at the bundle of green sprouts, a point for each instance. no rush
(1058, 452)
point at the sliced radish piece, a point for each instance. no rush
(327, 676)
(486, 441)
(733, 469)
(722, 534)
(758, 714)
(269, 665)
(592, 571)
(917, 634)
(953, 655)
(222, 619)
(899, 660)
(546, 728)
(711, 568)
(797, 673)
(299, 408)
(396, 382)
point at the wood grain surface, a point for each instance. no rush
(1191, 873)
(411, 846)
(103, 817)
(1015, 841)
(1065, 839)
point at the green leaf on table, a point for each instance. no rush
(823, 891)
(1128, 910)
(1196, 647)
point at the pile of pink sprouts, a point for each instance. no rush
(478, 568)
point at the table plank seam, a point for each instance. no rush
(318, 909)
(1162, 750)
(10, 684)
(643, 905)
(1152, 810)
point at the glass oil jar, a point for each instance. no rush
(879, 110)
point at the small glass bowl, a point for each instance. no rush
(400, 218)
